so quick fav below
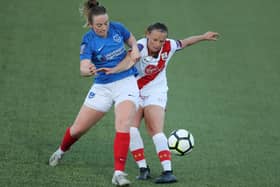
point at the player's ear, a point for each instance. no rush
(90, 24)
(147, 33)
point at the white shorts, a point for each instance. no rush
(101, 97)
(157, 98)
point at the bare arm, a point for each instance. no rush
(131, 42)
(208, 36)
(125, 64)
(87, 68)
(131, 58)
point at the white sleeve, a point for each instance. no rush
(141, 44)
(176, 45)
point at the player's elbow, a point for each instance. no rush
(83, 73)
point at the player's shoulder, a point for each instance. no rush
(141, 43)
(175, 44)
(116, 25)
(88, 36)
(142, 40)
(171, 40)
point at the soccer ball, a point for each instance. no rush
(181, 142)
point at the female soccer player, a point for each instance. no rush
(104, 46)
(156, 51)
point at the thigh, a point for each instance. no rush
(126, 90)
(124, 115)
(136, 122)
(97, 102)
(126, 98)
(154, 119)
(99, 98)
(86, 118)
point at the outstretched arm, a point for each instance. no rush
(208, 36)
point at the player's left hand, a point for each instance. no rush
(211, 36)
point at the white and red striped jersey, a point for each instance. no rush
(152, 70)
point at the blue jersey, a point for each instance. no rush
(107, 52)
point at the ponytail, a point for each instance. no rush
(92, 8)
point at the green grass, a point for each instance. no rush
(226, 93)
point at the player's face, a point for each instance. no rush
(100, 25)
(156, 39)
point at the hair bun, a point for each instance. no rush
(92, 8)
(92, 3)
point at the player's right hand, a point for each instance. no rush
(135, 55)
(92, 69)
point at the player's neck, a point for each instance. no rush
(153, 54)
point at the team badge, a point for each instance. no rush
(151, 69)
(100, 58)
(91, 95)
(164, 56)
(117, 38)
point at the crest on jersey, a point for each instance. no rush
(151, 69)
(100, 58)
(164, 56)
(117, 38)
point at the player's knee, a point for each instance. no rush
(153, 130)
(123, 125)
